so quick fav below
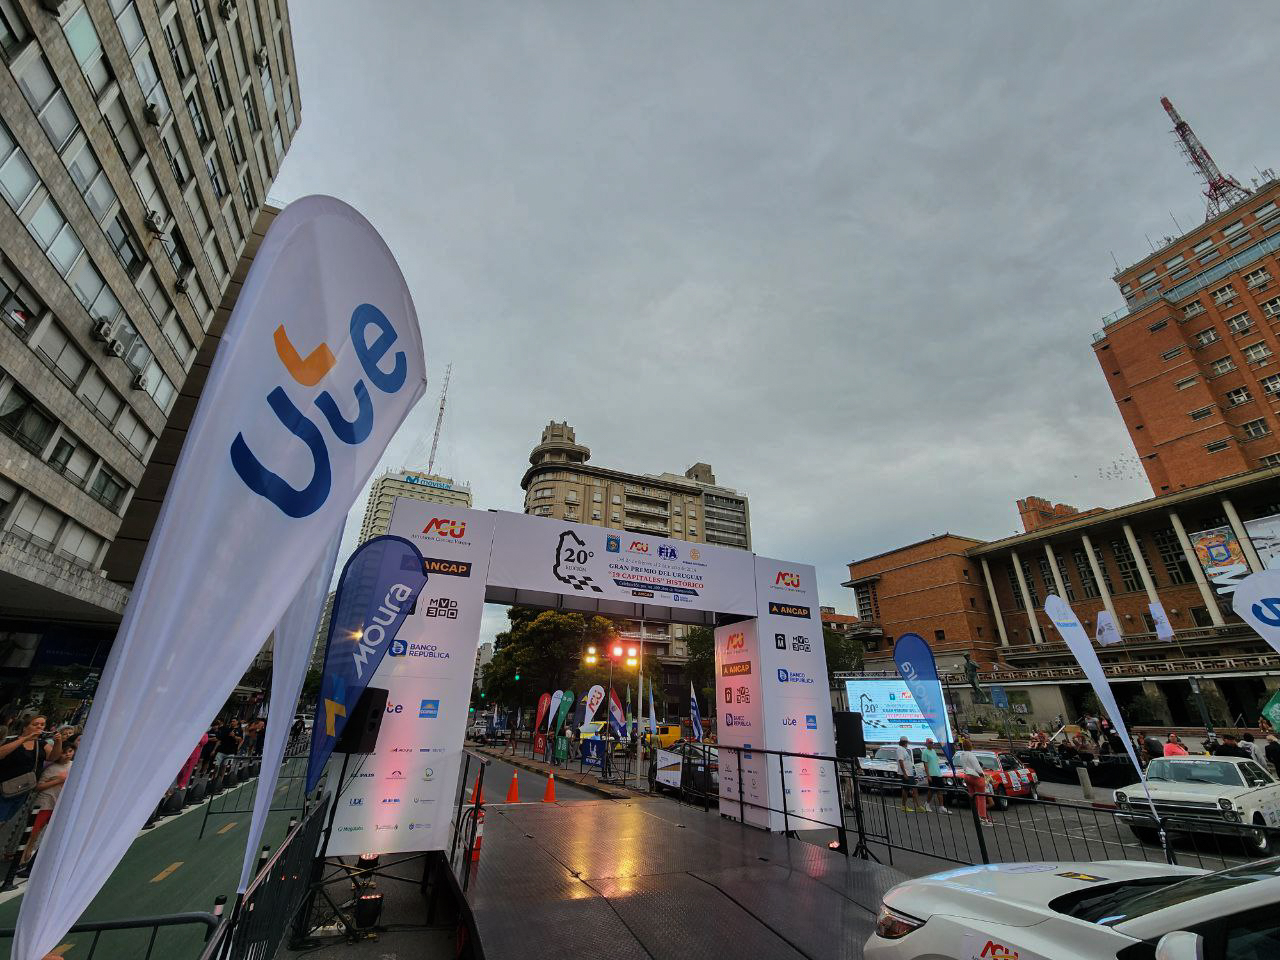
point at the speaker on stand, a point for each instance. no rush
(851, 746)
(360, 735)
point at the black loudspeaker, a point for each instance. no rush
(360, 735)
(849, 741)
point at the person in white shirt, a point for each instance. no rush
(907, 771)
(975, 778)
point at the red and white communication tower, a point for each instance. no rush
(1221, 189)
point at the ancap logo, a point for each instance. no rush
(788, 610)
(736, 669)
(736, 641)
(309, 371)
(444, 527)
(787, 579)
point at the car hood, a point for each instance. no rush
(1016, 894)
(1189, 792)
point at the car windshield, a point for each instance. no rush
(1127, 903)
(1189, 770)
(988, 761)
(887, 753)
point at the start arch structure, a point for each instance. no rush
(770, 679)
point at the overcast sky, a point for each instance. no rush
(849, 254)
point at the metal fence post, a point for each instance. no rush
(742, 803)
(786, 817)
(706, 769)
(977, 826)
(841, 836)
(1167, 842)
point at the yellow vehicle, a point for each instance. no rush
(668, 733)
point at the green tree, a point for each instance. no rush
(701, 666)
(543, 648)
(844, 653)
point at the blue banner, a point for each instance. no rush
(592, 752)
(378, 589)
(919, 672)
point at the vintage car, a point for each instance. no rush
(880, 770)
(1215, 796)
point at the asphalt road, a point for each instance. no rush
(497, 779)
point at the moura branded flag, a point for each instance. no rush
(320, 363)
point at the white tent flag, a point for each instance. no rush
(1257, 603)
(320, 363)
(595, 696)
(295, 634)
(556, 699)
(1107, 633)
(1071, 631)
(1164, 629)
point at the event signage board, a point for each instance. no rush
(889, 711)
(598, 563)
(1264, 534)
(797, 701)
(398, 800)
(739, 700)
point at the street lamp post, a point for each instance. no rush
(616, 652)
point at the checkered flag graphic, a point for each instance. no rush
(580, 583)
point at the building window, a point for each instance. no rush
(1201, 413)
(1206, 337)
(1224, 294)
(1192, 309)
(216, 178)
(614, 518)
(1066, 577)
(939, 636)
(1239, 323)
(1272, 307)
(1015, 589)
(595, 514)
(1255, 428)
(100, 398)
(71, 458)
(84, 42)
(37, 522)
(1170, 354)
(1257, 352)
(1170, 264)
(1158, 325)
(125, 246)
(251, 113)
(1171, 555)
(1046, 576)
(63, 357)
(1217, 446)
(197, 118)
(867, 601)
(122, 132)
(1146, 278)
(18, 178)
(233, 140)
(1223, 365)
(48, 101)
(18, 305)
(107, 488)
(1238, 396)
(1270, 460)
(89, 178)
(1257, 278)
(177, 45)
(1200, 617)
(219, 84)
(1126, 565)
(1271, 384)
(22, 420)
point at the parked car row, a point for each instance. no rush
(1008, 776)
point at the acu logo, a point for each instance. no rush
(787, 579)
(309, 371)
(446, 528)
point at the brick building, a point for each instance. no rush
(1191, 357)
(987, 599)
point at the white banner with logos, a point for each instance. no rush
(1264, 534)
(797, 702)
(598, 563)
(319, 365)
(739, 708)
(400, 797)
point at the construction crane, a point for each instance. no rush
(435, 440)
(1222, 190)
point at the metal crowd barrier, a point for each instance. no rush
(142, 933)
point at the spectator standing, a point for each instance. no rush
(907, 771)
(1230, 747)
(1153, 746)
(1255, 749)
(1173, 747)
(1272, 752)
(22, 759)
(48, 788)
(933, 770)
(230, 736)
(975, 779)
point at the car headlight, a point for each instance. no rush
(892, 925)
(1121, 798)
(1225, 804)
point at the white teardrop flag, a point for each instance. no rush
(1257, 603)
(1107, 632)
(1164, 630)
(320, 363)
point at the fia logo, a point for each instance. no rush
(442, 527)
(301, 502)
(668, 552)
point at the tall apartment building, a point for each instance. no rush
(138, 140)
(560, 483)
(413, 485)
(1192, 356)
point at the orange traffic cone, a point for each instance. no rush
(550, 795)
(475, 850)
(477, 792)
(513, 791)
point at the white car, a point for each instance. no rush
(881, 769)
(1109, 910)
(1221, 796)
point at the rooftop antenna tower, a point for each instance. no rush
(435, 440)
(1222, 190)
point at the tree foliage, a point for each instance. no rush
(844, 653)
(544, 649)
(701, 667)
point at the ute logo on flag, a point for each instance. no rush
(298, 503)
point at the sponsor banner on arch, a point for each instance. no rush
(402, 791)
(740, 722)
(599, 563)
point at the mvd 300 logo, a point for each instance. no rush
(298, 502)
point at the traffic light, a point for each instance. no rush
(517, 676)
(483, 695)
(471, 710)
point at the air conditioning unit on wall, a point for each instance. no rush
(102, 330)
(115, 348)
(139, 381)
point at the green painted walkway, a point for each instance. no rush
(169, 869)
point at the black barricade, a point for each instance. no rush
(169, 937)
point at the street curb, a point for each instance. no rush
(528, 766)
(1096, 804)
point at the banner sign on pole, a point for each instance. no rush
(1221, 557)
(1069, 628)
(544, 704)
(919, 671)
(617, 721)
(653, 716)
(379, 585)
(1107, 633)
(556, 699)
(1264, 533)
(595, 696)
(566, 704)
(319, 364)
(1164, 629)
(1257, 603)
(695, 718)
